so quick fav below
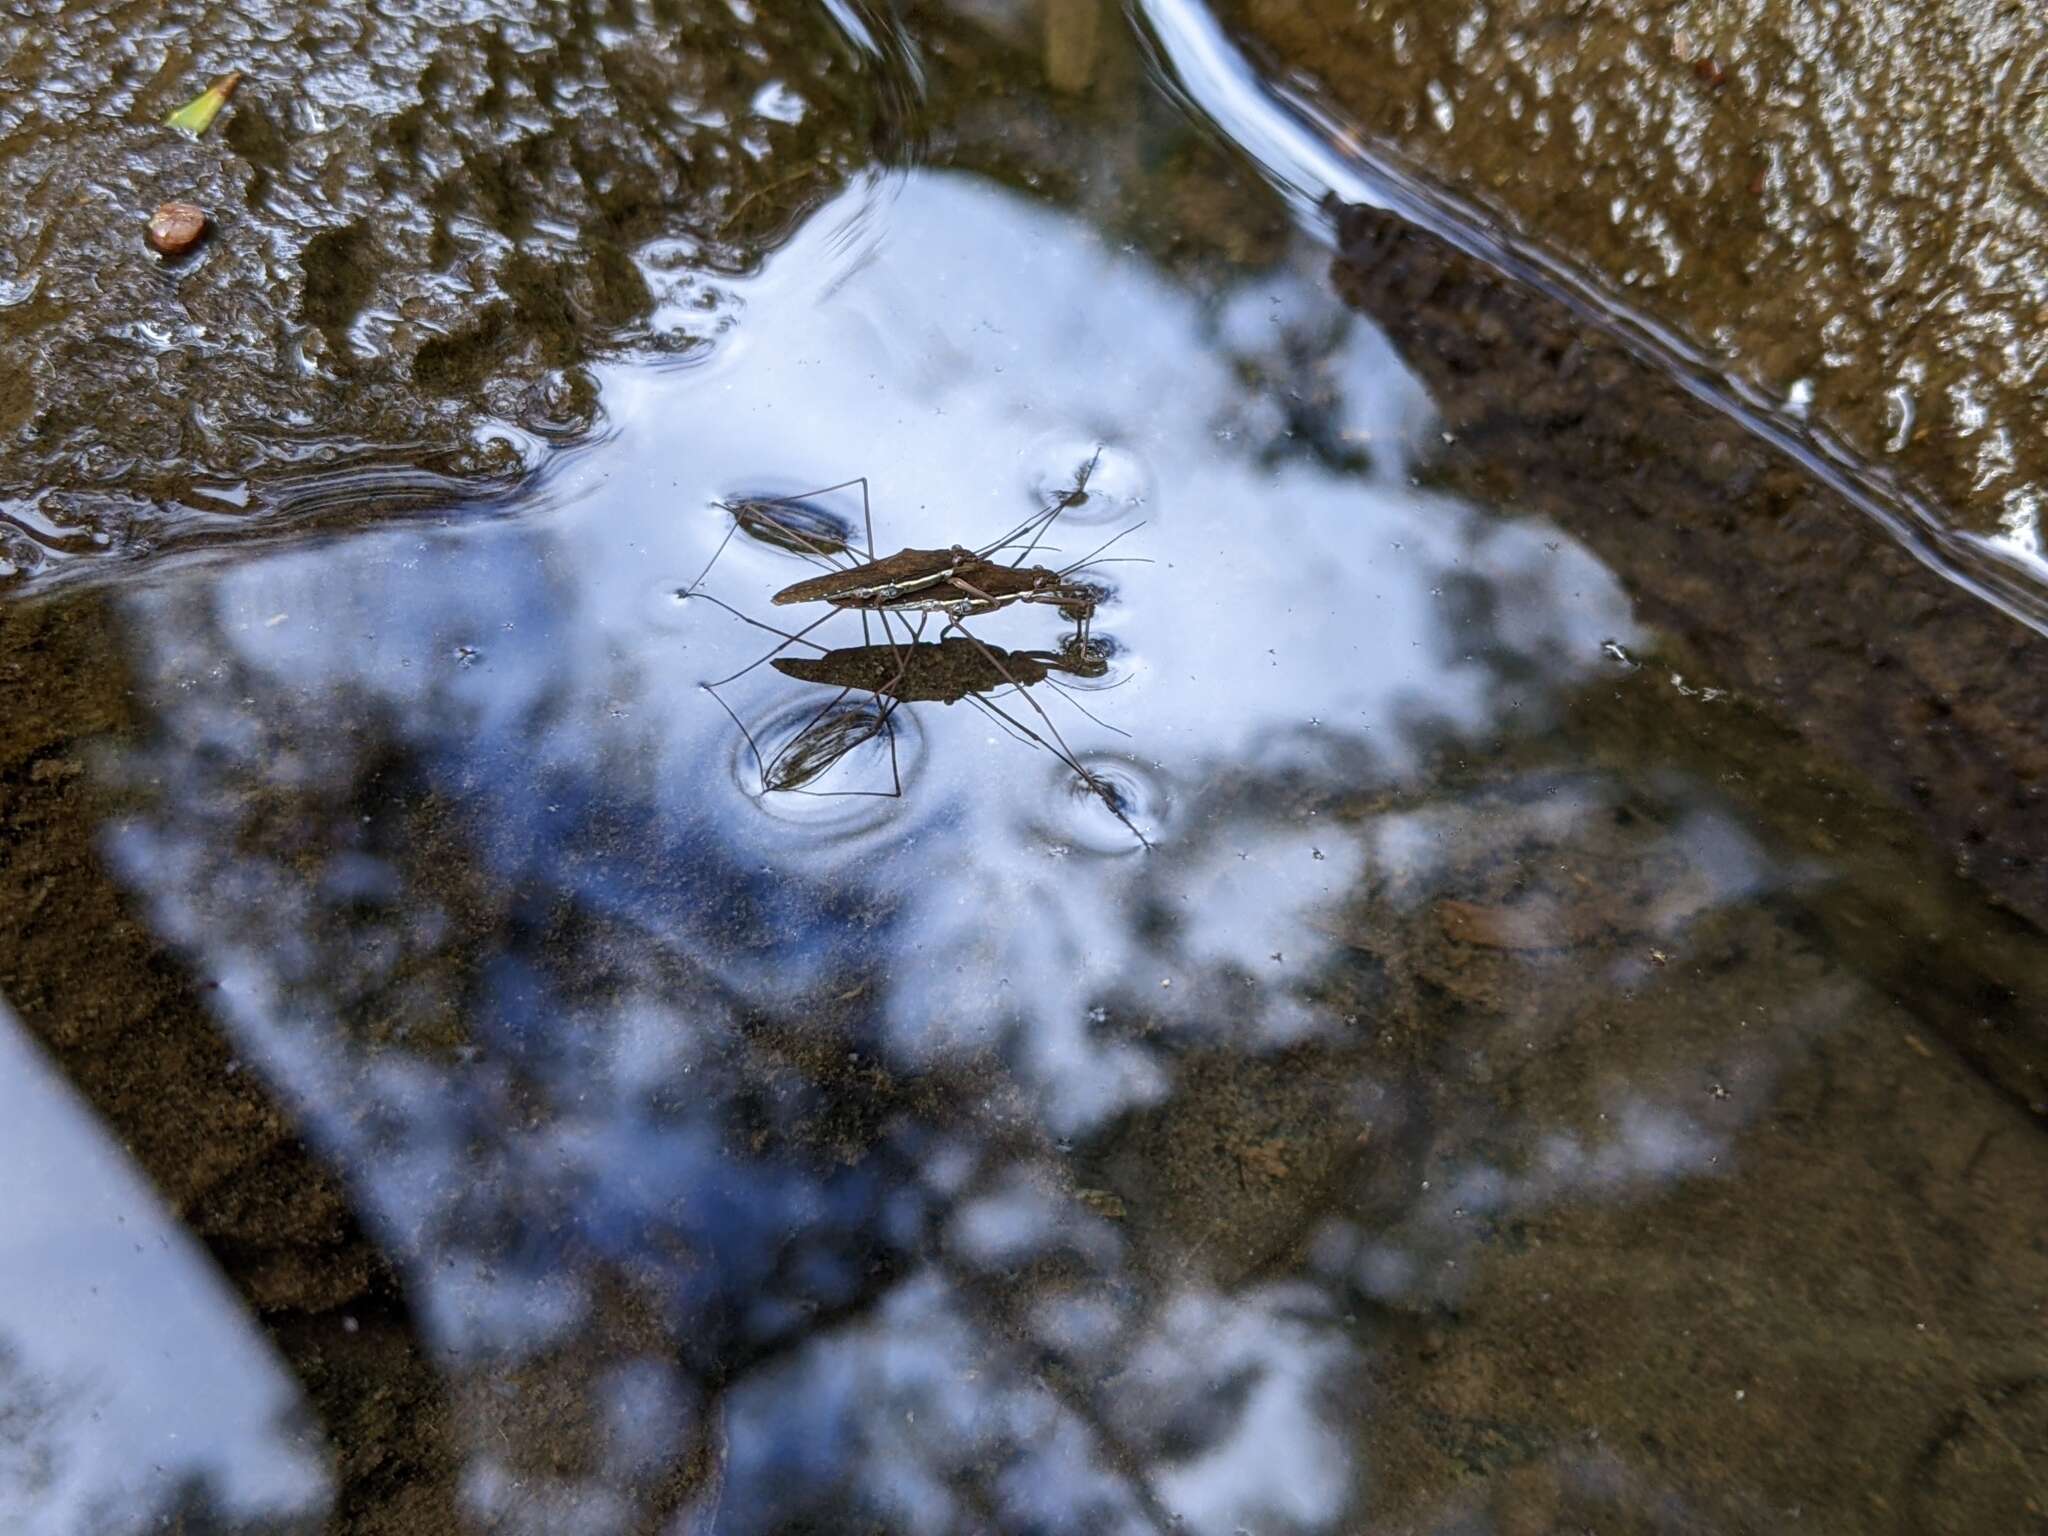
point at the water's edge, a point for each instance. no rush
(1319, 160)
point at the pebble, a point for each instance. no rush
(176, 227)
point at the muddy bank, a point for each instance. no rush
(127, 1023)
(1912, 703)
(426, 232)
(1846, 206)
(423, 229)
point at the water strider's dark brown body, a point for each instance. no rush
(928, 673)
(957, 582)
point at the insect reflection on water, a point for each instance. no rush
(901, 594)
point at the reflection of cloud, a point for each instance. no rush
(1554, 890)
(917, 1422)
(1642, 1147)
(129, 1378)
(1213, 1419)
(1017, 1221)
(1249, 902)
(1702, 863)
(1297, 620)
(1276, 1458)
(485, 893)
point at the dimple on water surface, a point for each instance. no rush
(1428, 1085)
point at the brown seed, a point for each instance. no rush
(176, 227)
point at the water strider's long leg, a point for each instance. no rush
(887, 712)
(817, 553)
(882, 722)
(1086, 617)
(993, 603)
(1064, 752)
(867, 517)
(1006, 675)
(1036, 524)
(895, 775)
(1060, 504)
(1008, 726)
(885, 709)
(796, 497)
(824, 559)
(1100, 790)
(788, 639)
(885, 704)
(797, 735)
(691, 589)
(1068, 694)
(760, 767)
(1091, 563)
(1093, 557)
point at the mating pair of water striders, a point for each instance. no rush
(908, 588)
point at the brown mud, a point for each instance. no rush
(1846, 202)
(424, 232)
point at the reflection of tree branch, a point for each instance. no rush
(703, 1463)
(990, 1303)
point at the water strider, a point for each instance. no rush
(956, 583)
(920, 672)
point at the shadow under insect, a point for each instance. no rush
(902, 593)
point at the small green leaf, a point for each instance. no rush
(197, 115)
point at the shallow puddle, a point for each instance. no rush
(1342, 1049)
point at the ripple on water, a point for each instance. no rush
(837, 769)
(1118, 487)
(792, 521)
(666, 604)
(784, 521)
(1095, 665)
(1128, 801)
(2026, 118)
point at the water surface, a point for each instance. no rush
(1451, 1098)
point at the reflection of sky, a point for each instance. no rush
(1303, 630)
(1294, 620)
(898, 1414)
(127, 1370)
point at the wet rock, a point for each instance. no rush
(1845, 207)
(425, 227)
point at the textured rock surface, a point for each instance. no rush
(425, 223)
(1844, 201)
